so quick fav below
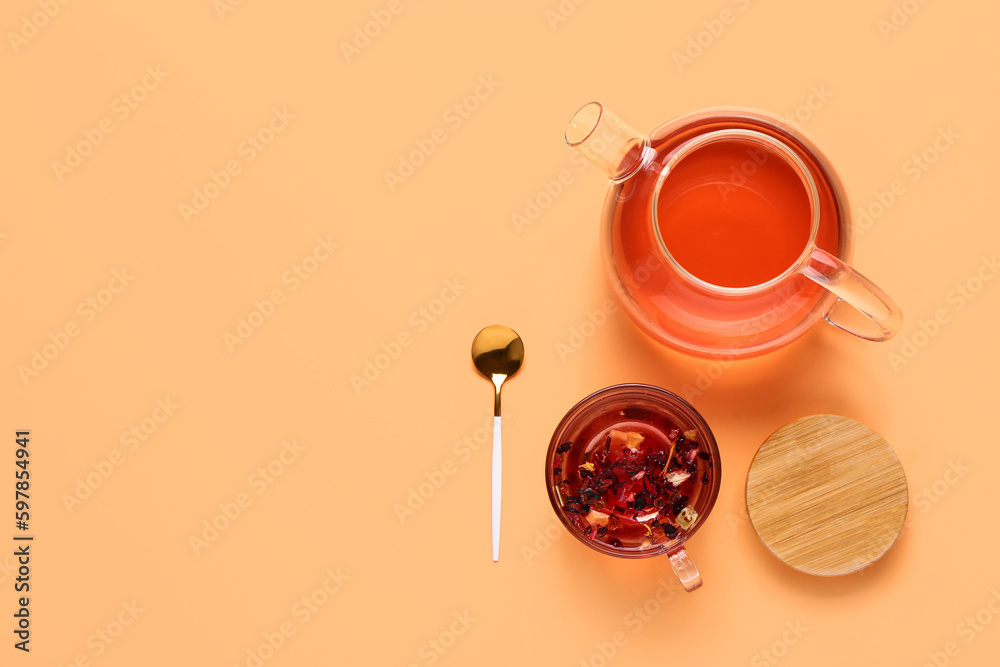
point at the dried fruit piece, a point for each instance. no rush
(627, 439)
(634, 440)
(686, 517)
(646, 543)
(676, 478)
(565, 447)
(598, 518)
(670, 457)
(588, 466)
(691, 435)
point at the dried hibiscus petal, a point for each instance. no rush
(680, 502)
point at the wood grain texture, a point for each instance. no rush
(827, 495)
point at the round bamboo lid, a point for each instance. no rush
(826, 495)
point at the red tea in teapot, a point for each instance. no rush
(734, 214)
(727, 232)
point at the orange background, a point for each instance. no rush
(329, 125)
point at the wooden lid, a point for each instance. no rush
(826, 495)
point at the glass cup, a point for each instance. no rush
(633, 471)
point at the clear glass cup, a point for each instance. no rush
(633, 471)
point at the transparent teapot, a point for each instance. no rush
(727, 232)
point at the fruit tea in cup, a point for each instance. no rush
(632, 471)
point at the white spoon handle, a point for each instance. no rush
(497, 469)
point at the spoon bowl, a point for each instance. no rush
(497, 353)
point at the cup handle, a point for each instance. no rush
(685, 570)
(854, 289)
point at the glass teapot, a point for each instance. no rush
(727, 232)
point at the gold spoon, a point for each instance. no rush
(497, 352)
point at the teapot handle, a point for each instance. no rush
(857, 291)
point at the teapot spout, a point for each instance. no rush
(607, 141)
